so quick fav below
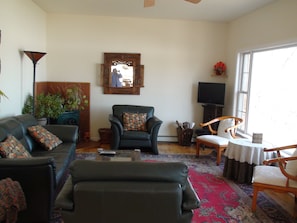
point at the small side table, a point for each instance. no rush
(241, 157)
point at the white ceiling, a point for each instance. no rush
(210, 10)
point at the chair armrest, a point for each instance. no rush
(28, 170)
(152, 123)
(294, 146)
(190, 198)
(38, 180)
(279, 159)
(65, 199)
(114, 121)
(67, 133)
(208, 124)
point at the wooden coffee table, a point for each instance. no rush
(120, 155)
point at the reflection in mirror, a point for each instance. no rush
(122, 73)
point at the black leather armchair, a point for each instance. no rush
(122, 138)
(109, 192)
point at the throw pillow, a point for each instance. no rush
(224, 124)
(134, 121)
(45, 138)
(291, 166)
(12, 148)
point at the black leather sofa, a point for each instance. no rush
(122, 138)
(42, 176)
(110, 192)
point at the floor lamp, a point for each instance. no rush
(34, 56)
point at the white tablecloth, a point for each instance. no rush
(243, 150)
(241, 157)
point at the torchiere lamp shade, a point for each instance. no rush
(34, 56)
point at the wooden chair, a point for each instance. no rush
(279, 178)
(219, 138)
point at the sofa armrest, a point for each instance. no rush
(190, 198)
(38, 181)
(114, 121)
(65, 199)
(67, 133)
(153, 123)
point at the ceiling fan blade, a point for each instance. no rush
(193, 1)
(149, 3)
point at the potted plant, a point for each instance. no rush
(75, 99)
(2, 95)
(47, 106)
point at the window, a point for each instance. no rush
(266, 92)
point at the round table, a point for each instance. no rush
(241, 157)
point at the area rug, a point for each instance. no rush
(222, 200)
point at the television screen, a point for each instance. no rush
(211, 93)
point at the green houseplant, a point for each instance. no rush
(2, 95)
(48, 106)
(75, 99)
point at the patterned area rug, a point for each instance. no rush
(222, 200)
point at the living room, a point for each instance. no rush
(182, 54)
(176, 54)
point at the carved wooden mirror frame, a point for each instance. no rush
(127, 59)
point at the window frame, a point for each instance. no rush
(243, 129)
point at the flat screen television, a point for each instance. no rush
(211, 93)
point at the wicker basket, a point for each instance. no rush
(184, 136)
(105, 135)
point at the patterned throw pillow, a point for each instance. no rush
(134, 121)
(12, 148)
(45, 138)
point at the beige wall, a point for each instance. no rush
(176, 55)
(23, 27)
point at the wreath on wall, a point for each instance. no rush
(220, 68)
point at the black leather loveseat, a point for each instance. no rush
(110, 192)
(43, 175)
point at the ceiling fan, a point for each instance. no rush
(150, 3)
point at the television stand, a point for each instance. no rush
(212, 111)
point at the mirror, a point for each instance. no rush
(122, 73)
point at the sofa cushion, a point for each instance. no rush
(45, 138)
(12, 148)
(134, 121)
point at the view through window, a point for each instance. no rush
(267, 91)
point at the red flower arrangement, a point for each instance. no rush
(220, 68)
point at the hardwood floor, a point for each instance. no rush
(287, 201)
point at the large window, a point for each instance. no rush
(267, 92)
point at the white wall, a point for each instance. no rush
(272, 25)
(175, 54)
(23, 27)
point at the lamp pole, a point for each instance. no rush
(35, 57)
